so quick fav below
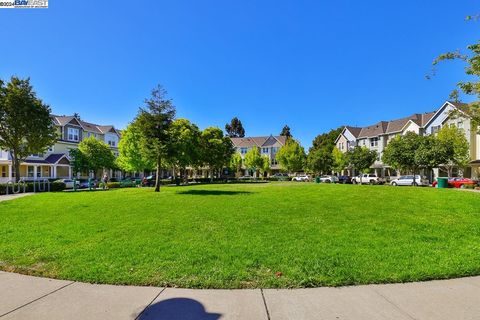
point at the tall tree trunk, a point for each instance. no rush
(159, 171)
(16, 165)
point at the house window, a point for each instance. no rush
(73, 134)
(243, 150)
(374, 142)
(275, 150)
(30, 171)
(274, 162)
(51, 149)
(434, 129)
(4, 171)
(111, 143)
(460, 125)
(264, 150)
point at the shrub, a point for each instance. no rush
(57, 186)
(113, 185)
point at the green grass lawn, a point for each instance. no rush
(240, 236)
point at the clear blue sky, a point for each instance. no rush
(314, 65)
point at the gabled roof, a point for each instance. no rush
(419, 118)
(265, 141)
(87, 126)
(374, 130)
(354, 130)
(55, 157)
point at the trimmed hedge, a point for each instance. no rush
(114, 185)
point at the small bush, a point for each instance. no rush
(113, 185)
(57, 186)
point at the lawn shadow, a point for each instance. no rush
(177, 309)
(212, 192)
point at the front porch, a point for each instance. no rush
(32, 171)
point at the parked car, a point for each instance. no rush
(329, 179)
(344, 180)
(301, 178)
(458, 182)
(410, 181)
(367, 179)
(149, 181)
(281, 176)
(69, 183)
(84, 184)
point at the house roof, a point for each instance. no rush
(397, 125)
(354, 130)
(265, 141)
(55, 157)
(87, 126)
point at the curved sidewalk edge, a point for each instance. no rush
(26, 297)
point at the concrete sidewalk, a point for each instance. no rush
(15, 196)
(25, 297)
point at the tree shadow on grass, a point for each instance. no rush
(177, 309)
(212, 192)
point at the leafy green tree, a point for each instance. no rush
(286, 132)
(26, 126)
(131, 158)
(320, 161)
(401, 153)
(291, 156)
(326, 140)
(455, 147)
(236, 163)
(361, 158)
(78, 161)
(154, 121)
(472, 70)
(265, 167)
(184, 145)
(235, 128)
(216, 149)
(431, 153)
(96, 154)
(339, 160)
(253, 160)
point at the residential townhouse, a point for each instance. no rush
(54, 163)
(267, 146)
(377, 136)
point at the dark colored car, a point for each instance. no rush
(84, 184)
(149, 181)
(344, 180)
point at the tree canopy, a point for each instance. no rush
(361, 158)
(154, 121)
(291, 156)
(26, 126)
(95, 154)
(131, 158)
(235, 128)
(455, 148)
(286, 132)
(253, 160)
(216, 149)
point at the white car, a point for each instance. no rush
(69, 183)
(367, 179)
(301, 178)
(329, 179)
(409, 181)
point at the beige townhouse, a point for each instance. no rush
(54, 163)
(267, 146)
(377, 136)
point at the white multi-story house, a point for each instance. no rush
(54, 163)
(267, 146)
(376, 137)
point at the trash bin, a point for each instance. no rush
(442, 182)
(317, 179)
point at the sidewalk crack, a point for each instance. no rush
(45, 295)
(265, 304)
(394, 305)
(155, 298)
